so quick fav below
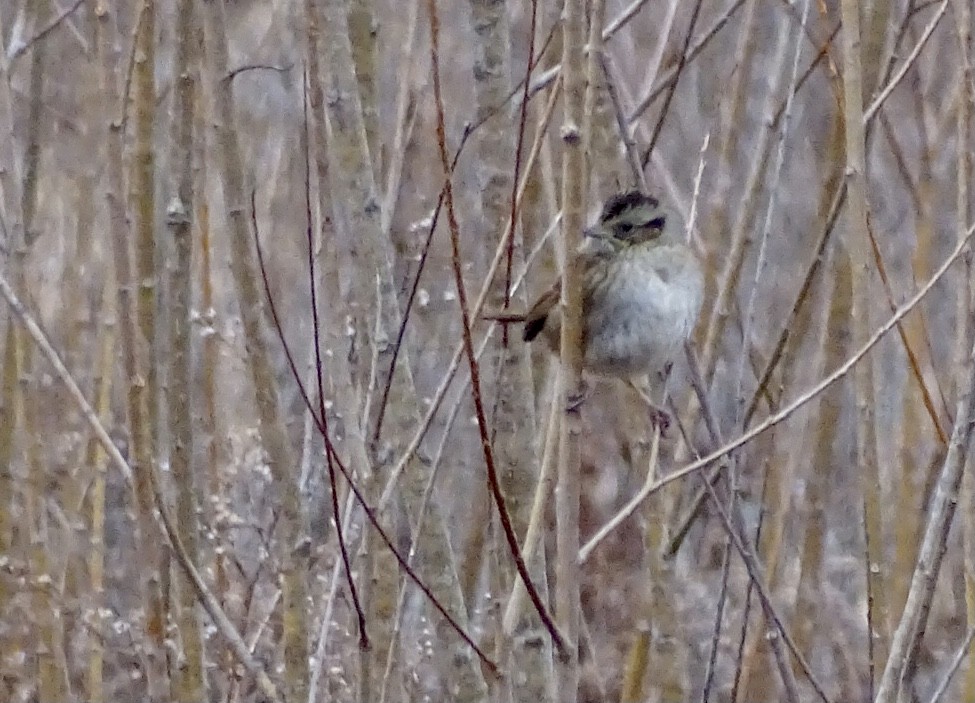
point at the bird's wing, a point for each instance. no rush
(587, 263)
(538, 313)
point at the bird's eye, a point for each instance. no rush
(624, 227)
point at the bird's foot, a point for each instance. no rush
(577, 396)
(660, 419)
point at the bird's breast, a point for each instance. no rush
(642, 310)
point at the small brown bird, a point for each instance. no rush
(643, 290)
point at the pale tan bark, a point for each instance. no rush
(97, 461)
(140, 430)
(250, 298)
(189, 684)
(142, 214)
(573, 221)
(966, 50)
(741, 238)
(356, 208)
(363, 35)
(857, 246)
(341, 372)
(832, 346)
(605, 171)
(9, 542)
(211, 425)
(514, 421)
(50, 679)
(8, 384)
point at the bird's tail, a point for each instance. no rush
(503, 316)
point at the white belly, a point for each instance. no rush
(644, 318)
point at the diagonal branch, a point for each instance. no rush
(495, 486)
(165, 522)
(780, 416)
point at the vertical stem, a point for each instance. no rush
(98, 461)
(363, 33)
(963, 9)
(595, 89)
(568, 490)
(189, 684)
(272, 429)
(132, 366)
(387, 392)
(857, 214)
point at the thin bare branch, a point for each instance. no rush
(784, 413)
(906, 66)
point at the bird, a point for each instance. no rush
(643, 289)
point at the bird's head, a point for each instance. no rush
(628, 219)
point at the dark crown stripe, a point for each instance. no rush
(622, 202)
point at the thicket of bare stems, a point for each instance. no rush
(245, 248)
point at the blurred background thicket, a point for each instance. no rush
(134, 138)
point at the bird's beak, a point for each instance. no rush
(592, 232)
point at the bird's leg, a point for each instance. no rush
(577, 396)
(659, 417)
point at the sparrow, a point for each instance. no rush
(643, 288)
